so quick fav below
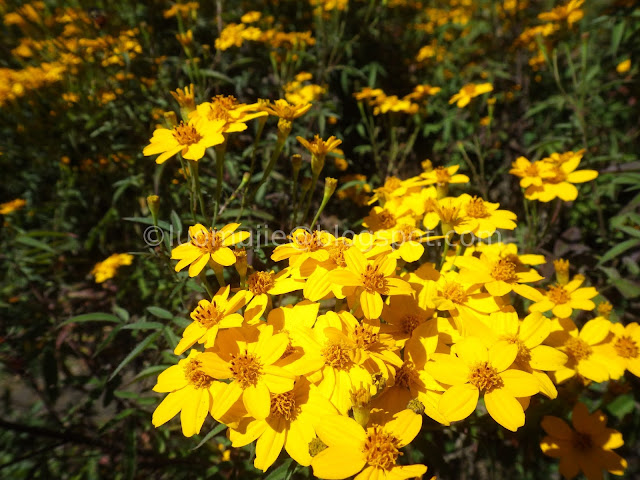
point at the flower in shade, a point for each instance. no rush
(370, 453)
(587, 447)
(208, 245)
(12, 206)
(190, 139)
(624, 66)
(626, 344)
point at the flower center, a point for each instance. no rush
(578, 348)
(626, 347)
(338, 356)
(455, 292)
(195, 376)
(260, 282)
(207, 315)
(307, 241)
(485, 377)
(364, 336)
(409, 323)
(442, 176)
(476, 208)
(284, 405)
(558, 295)
(186, 134)
(387, 219)
(373, 280)
(504, 270)
(246, 369)
(207, 242)
(523, 356)
(407, 375)
(582, 441)
(336, 253)
(531, 170)
(381, 448)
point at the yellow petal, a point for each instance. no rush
(269, 445)
(556, 427)
(338, 462)
(448, 369)
(504, 409)
(405, 426)
(340, 431)
(224, 256)
(371, 303)
(519, 383)
(197, 266)
(459, 402)
(194, 411)
(168, 408)
(502, 355)
(257, 401)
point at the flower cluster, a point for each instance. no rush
(414, 316)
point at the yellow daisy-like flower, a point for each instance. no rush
(211, 316)
(442, 176)
(291, 424)
(626, 344)
(469, 91)
(261, 285)
(12, 206)
(107, 268)
(376, 449)
(249, 363)
(529, 172)
(402, 315)
(284, 110)
(571, 12)
(190, 139)
(587, 447)
(226, 110)
(191, 393)
(499, 275)
(559, 178)
(624, 66)
(304, 245)
(371, 279)
(562, 300)
(484, 218)
(208, 245)
(477, 369)
(589, 351)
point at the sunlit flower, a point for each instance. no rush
(107, 268)
(563, 299)
(190, 139)
(12, 206)
(469, 91)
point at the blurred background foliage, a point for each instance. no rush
(81, 89)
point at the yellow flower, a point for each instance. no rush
(227, 111)
(528, 172)
(12, 206)
(469, 91)
(563, 299)
(208, 245)
(107, 268)
(249, 363)
(590, 354)
(291, 423)
(304, 245)
(483, 218)
(570, 12)
(261, 285)
(588, 447)
(376, 449)
(624, 66)
(402, 315)
(251, 17)
(186, 100)
(285, 111)
(476, 369)
(371, 279)
(558, 177)
(191, 393)
(626, 345)
(190, 139)
(319, 149)
(211, 316)
(499, 275)
(528, 335)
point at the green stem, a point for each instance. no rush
(196, 185)
(256, 140)
(220, 152)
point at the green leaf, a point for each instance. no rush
(135, 352)
(618, 249)
(217, 75)
(92, 317)
(621, 406)
(160, 312)
(143, 326)
(284, 471)
(214, 431)
(32, 242)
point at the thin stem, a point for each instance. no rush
(196, 185)
(220, 152)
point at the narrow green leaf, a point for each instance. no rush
(92, 317)
(212, 433)
(160, 312)
(135, 352)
